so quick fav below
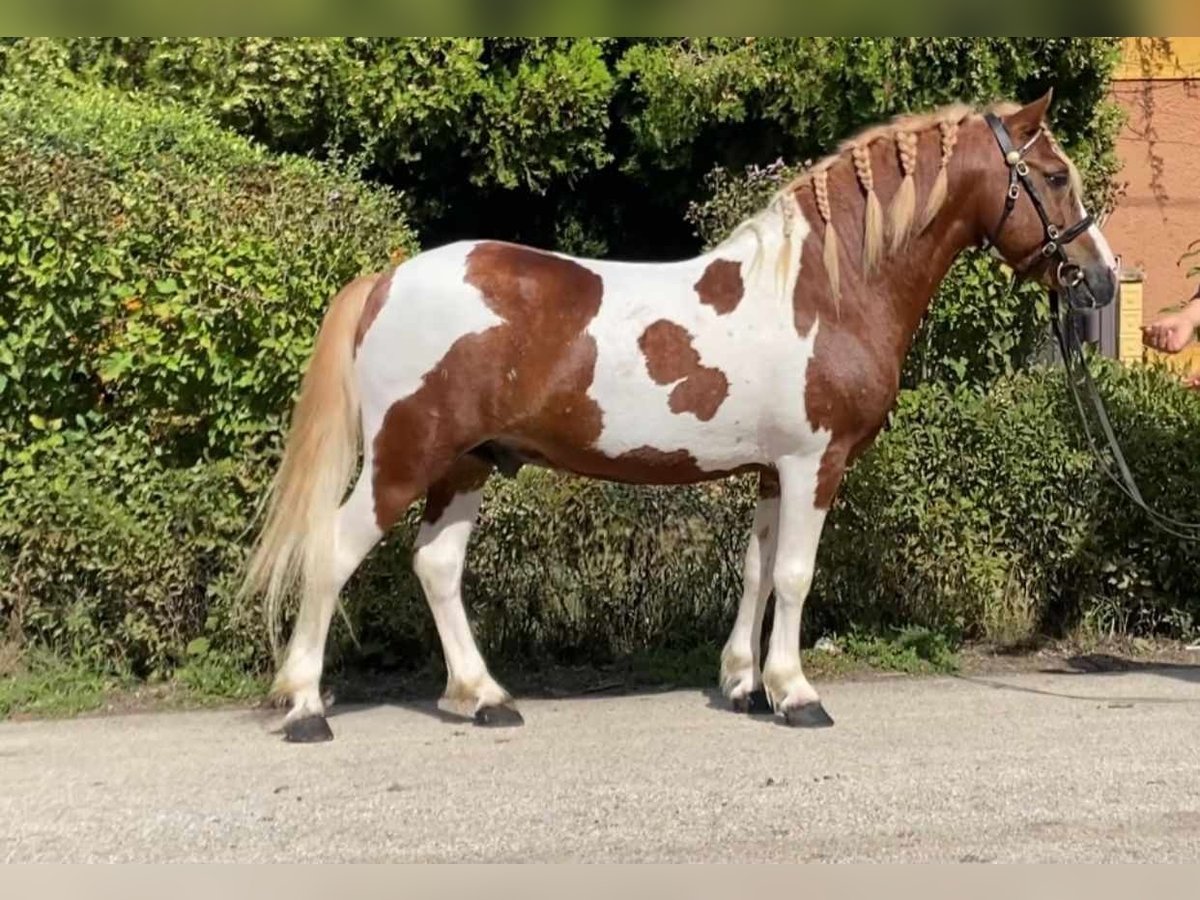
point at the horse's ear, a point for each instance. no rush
(1025, 122)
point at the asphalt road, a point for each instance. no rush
(1043, 767)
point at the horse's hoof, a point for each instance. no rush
(755, 703)
(759, 704)
(810, 715)
(498, 717)
(308, 730)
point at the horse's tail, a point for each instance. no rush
(296, 545)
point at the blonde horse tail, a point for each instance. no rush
(295, 548)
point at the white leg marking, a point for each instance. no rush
(800, 525)
(355, 534)
(438, 559)
(740, 669)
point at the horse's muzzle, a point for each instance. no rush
(1088, 287)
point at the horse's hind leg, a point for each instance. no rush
(299, 679)
(741, 672)
(451, 505)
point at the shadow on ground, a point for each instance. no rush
(1074, 677)
(1082, 668)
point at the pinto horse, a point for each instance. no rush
(778, 352)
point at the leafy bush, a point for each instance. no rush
(985, 514)
(117, 562)
(976, 514)
(590, 145)
(160, 276)
(1137, 578)
(969, 514)
(128, 565)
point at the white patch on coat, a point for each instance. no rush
(428, 308)
(755, 346)
(1101, 243)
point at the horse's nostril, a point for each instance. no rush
(1102, 283)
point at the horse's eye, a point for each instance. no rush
(1058, 179)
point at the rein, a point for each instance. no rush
(1066, 334)
(1064, 321)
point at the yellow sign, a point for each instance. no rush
(1129, 323)
(1130, 349)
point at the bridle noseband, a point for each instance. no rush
(1068, 275)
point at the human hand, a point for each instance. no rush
(1169, 333)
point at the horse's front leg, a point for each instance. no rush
(800, 524)
(741, 670)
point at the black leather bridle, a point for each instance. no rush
(1067, 275)
(1065, 322)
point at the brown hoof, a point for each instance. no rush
(810, 715)
(498, 717)
(309, 730)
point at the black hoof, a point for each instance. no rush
(498, 717)
(755, 703)
(309, 730)
(810, 715)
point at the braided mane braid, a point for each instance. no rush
(873, 224)
(904, 203)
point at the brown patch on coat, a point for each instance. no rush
(853, 376)
(721, 286)
(667, 347)
(520, 386)
(524, 379)
(701, 394)
(650, 465)
(670, 357)
(466, 476)
(381, 284)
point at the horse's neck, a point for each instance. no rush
(912, 276)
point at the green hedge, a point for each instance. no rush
(975, 514)
(588, 144)
(161, 281)
(117, 562)
(162, 277)
(601, 145)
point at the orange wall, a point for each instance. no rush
(1159, 212)
(1159, 147)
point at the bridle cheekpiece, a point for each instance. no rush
(1068, 275)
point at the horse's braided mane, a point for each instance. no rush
(882, 233)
